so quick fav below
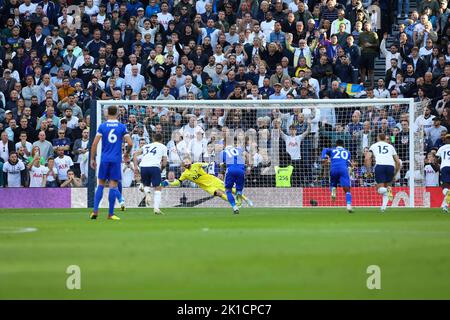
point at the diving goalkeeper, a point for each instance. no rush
(194, 172)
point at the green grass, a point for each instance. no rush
(211, 254)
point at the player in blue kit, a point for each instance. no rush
(232, 158)
(340, 160)
(111, 133)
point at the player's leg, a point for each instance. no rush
(221, 194)
(98, 198)
(115, 175)
(156, 183)
(146, 180)
(239, 182)
(382, 190)
(348, 199)
(345, 184)
(380, 178)
(389, 191)
(102, 177)
(121, 199)
(244, 197)
(229, 183)
(334, 179)
(445, 176)
(446, 193)
(390, 170)
(112, 197)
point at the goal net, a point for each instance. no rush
(283, 141)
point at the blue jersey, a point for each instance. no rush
(234, 160)
(112, 133)
(233, 157)
(340, 157)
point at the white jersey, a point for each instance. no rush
(384, 153)
(63, 165)
(152, 154)
(37, 176)
(444, 154)
(431, 176)
(13, 171)
(293, 145)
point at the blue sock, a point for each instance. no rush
(348, 197)
(231, 198)
(119, 186)
(98, 197)
(113, 195)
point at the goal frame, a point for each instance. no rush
(281, 104)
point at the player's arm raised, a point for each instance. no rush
(308, 130)
(94, 151)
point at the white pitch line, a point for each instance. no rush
(14, 230)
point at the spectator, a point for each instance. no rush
(63, 164)
(45, 147)
(35, 153)
(14, 172)
(293, 147)
(24, 143)
(431, 171)
(52, 174)
(381, 91)
(6, 147)
(71, 120)
(38, 173)
(434, 133)
(368, 41)
(62, 142)
(72, 181)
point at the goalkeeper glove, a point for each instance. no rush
(165, 183)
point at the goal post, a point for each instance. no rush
(273, 153)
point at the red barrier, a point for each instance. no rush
(369, 197)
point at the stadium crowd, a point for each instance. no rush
(58, 58)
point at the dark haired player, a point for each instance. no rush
(340, 160)
(111, 133)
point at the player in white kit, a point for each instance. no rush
(387, 165)
(444, 154)
(154, 157)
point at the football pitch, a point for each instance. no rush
(213, 254)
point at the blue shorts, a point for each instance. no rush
(339, 176)
(445, 174)
(384, 173)
(110, 171)
(235, 177)
(151, 176)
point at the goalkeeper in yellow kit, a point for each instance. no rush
(194, 172)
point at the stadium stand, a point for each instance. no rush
(58, 58)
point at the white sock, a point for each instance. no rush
(444, 191)
(147, 190)
(382, 190)
(385, 201)
(157, 200)
(444, 203)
